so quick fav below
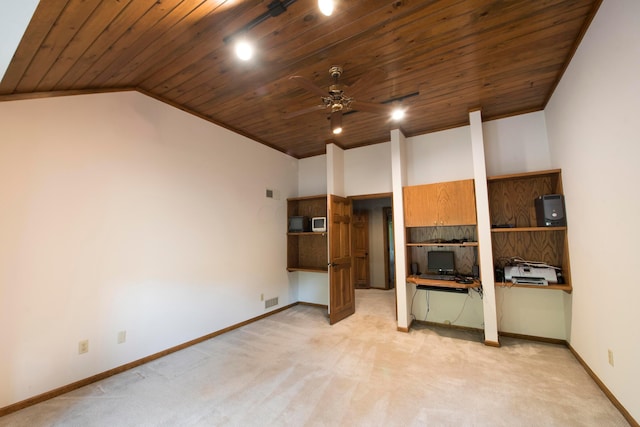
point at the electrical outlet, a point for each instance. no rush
(610, 357)
(83, 346)
(261, 297)
(122, 337)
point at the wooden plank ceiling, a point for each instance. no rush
(441, 57)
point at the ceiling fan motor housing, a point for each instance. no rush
(335, 72)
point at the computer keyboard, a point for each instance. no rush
(447, 277)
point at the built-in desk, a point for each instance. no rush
(450, 284)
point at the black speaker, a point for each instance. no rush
(475, 271)
(550, 211)
(415, 269)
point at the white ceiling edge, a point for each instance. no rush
(14, 19)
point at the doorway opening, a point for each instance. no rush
(372, 242)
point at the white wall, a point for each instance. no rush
(516, 144)
(367, 170)
(592, 121)
(439, 157)
(312, 287)
(122, 213)
(312, 176)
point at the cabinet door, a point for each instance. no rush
(445, 203)
(421, 205)
(456, 203)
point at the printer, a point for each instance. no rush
(525, 274)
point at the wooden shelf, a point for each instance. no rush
(308, 233)
(416, 280)
(307, 251)
(464, 244)
(308, 269)
(566, 288)
(536, 174)
(511, 201)
(526, 229)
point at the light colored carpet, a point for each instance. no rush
(294, 369)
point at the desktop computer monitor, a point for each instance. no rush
(441, 262)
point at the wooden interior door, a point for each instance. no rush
(341, 290)
(360, 239)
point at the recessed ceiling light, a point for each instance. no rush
(326, 7)
(397, 114)
(244, 49)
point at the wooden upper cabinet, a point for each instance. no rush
(444, 203)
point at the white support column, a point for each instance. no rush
(485, 251)
(398, 181)
(335, 170)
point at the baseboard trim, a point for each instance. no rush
(604, 388)
(534, 338)
(444, 325)
(405, 329)
(460, 328)
(106, 374)
(313, 304)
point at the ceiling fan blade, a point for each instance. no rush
(292, 114)
(371, 77)
(309, 85)
(371, 107)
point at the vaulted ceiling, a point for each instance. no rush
(438, 58)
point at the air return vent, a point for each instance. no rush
(271, 302)
(271, 193)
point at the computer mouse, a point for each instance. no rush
(464, 281)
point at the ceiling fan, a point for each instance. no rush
(336, 101)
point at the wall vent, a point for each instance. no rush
(271, 302)
(271, 193)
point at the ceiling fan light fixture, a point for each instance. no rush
(326, 7)
(336, 122)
